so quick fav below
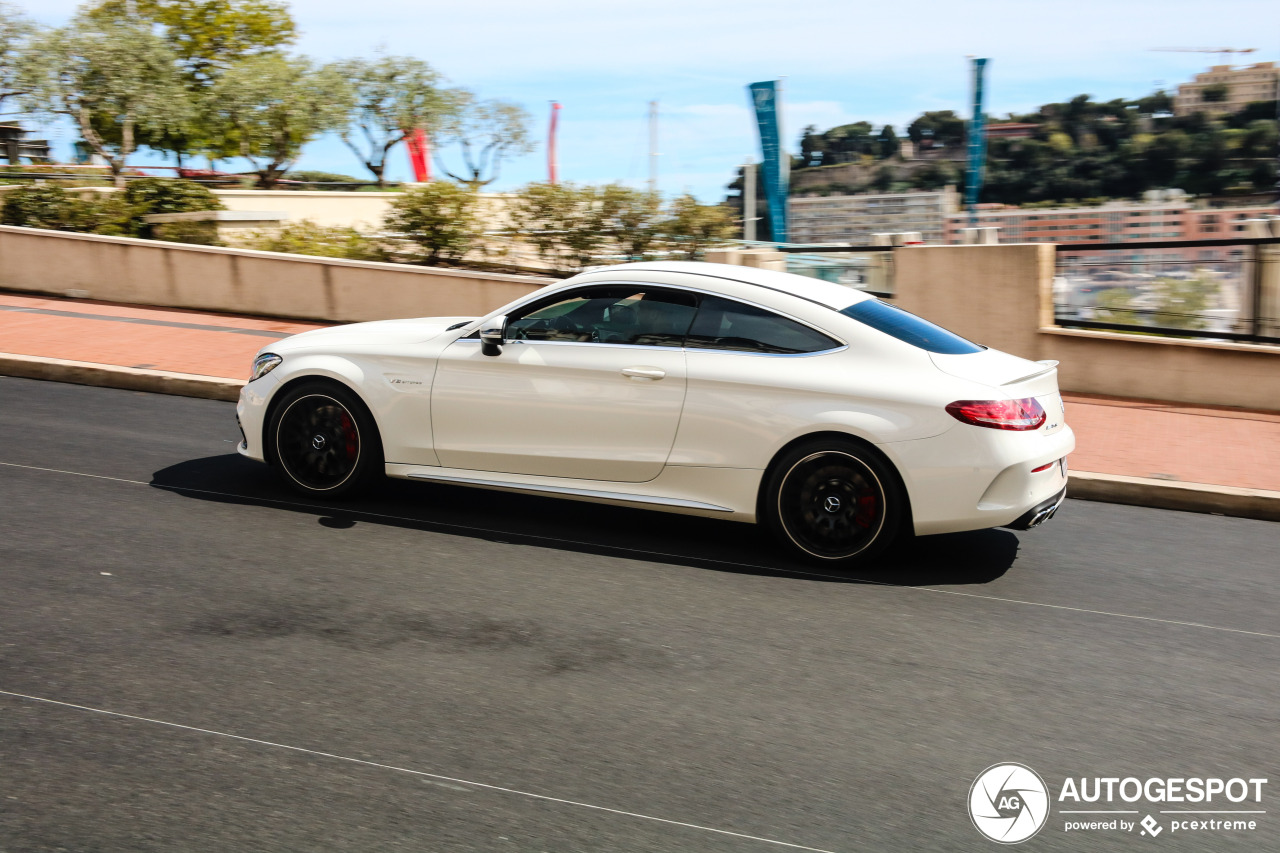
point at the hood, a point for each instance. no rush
(1018, 377)
(380, 332)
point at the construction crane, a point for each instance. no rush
(1223, 52)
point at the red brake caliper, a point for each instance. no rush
(866, 511)
(349, 433)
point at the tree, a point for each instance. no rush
(559, 220)
(273, 106)
(206, 38)
(393, 96)
(1157, 102)
(887, 144)
(691, 226)
(630, 220)
(1215, 94)
(487, 132)
(440, 218)
(116, 80)
(883, 180)
(16, 32)
(943, 128)
(812, 147)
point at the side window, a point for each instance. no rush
(613, 314)
(727, 325)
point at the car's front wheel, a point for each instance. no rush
(832, 502)
(323, 441)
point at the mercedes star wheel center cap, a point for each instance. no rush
(831, 504)
(318, 442)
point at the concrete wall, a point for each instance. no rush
(363, 211)
(148, 272)
(1002, 296)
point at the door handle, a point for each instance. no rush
(643, 372)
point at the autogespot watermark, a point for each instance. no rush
(1009, 803)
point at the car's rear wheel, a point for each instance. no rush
(323, 440)
(832, 502)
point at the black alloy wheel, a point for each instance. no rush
(833, 502)
(323, 440)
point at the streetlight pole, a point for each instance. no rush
(653, 147)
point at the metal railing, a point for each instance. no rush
(866, 268)
(1226, 290)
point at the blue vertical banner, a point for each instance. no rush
(765, 99)
(977, 144)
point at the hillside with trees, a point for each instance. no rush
(1078, 150)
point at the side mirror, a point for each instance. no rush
(493, 335)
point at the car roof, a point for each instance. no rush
(826, 293)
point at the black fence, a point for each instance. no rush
(1226, 290)
(866, 268)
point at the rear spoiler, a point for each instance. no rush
(1049, 366)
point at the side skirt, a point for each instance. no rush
(727, 493)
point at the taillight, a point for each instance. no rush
(1024, 414)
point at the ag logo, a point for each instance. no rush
(1009, 803)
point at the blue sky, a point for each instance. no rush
(842, 61)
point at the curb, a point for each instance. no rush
(112, 376)
(1172, 494)
(1081, 485)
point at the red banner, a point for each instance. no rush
(551, 143)
(419, 150)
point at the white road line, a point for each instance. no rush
(637, 551)
(423, 773)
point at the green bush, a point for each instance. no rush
(440, 218)
(306, 175)
(41, 206)
(308, 238)
(195, 233)
(111, 214)
(106, 214)
(147, 196)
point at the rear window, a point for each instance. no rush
(907, 327)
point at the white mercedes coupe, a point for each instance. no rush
(835, 419)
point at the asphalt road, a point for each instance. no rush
(438, 669)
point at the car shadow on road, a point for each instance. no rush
(961, 558)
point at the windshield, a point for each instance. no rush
(907, 327)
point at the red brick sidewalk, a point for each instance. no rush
(1163, 441)
(171, 339)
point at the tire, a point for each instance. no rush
(323, 442)
(832, 502)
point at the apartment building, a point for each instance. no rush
(1115, 222)
(852, 219)
(1257, 82)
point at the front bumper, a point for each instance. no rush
(251, 413)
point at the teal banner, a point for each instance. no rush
(977, 144)
(776, 174)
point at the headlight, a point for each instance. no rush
(264, 364)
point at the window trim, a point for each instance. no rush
(842, 344)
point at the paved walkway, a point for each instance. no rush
(1163, 441)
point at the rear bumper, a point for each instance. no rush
(1040, 513)
(972, 479)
